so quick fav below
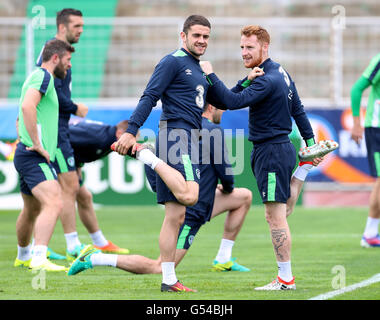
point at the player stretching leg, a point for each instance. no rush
(215, 199)
(179, 82)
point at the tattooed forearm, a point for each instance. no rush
(279, 236)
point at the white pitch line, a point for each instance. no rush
(331, 294)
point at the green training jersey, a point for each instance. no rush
(372, 73)
(47, 111)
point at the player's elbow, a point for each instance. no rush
(27, 108)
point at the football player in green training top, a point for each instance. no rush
(369, 78)
(38, 132)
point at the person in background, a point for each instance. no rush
(369, 78)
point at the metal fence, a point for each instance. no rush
(323, 56)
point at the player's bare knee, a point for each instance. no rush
(188, 196)
(31, 209)
(191, 200)
(178, 218)
(175, 217)
(188, 199)
(54, 205)
(247, 196)
(84, 197)
(88, 196)
(70, 185)
(72, 188)
(31, 212)
(59, 205)
(270, 219)
(181, 220)
(55, 201)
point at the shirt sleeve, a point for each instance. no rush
(162, 76)
(213, 99)
(356, 94)
(372, 72)
(40, 81)
(241, 85)
(301, 119)
(258, 90)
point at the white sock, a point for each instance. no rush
(285, 271)
(168, 273)
(149, 158)
(72, 240)
(302, 171)
(24, 253)
(371, 228)
(98, 239)
(39, 254)
(101, 259)
(225, 251)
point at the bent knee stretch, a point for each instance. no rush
(189, 195)
(188, 199)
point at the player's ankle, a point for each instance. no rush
(148, 158)
(303, 170)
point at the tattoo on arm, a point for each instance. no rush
(279, 236)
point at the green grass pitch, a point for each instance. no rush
(322, 239)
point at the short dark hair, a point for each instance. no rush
(63, 16)
(55, 47)
(193, 20)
